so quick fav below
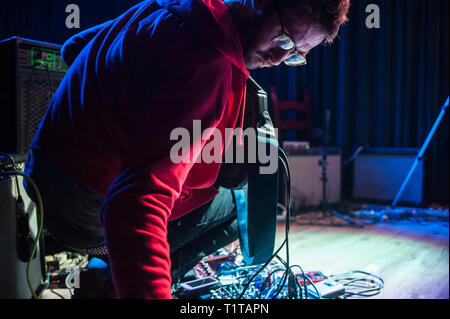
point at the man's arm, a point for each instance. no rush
(138, 205)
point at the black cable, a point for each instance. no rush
(283, 282)
(261, 269)
(285, 163)
(319, 296)
(366, 289)
(292, 274)
(13, 163)
(304, 280)
(284, 160)
(264, 284)
(371, 279)
(286, 274)
(40, 212)
(361, 272)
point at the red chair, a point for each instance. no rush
(305, 125)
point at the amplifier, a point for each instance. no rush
(31, 73)
(306, 174)
(379, 173)
(13, 276)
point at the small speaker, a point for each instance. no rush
(379, 173)
(306, 174)
(13, 276)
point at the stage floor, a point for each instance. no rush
(412, 258)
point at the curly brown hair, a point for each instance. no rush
(330, 14)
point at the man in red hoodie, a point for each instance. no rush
(101, 156)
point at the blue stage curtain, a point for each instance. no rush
(384, 86)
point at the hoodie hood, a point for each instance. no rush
(209, 21)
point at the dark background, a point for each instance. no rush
(384, 86)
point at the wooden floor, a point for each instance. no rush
(412, 258)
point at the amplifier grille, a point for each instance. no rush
(36, 92)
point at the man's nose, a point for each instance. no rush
(278, 55)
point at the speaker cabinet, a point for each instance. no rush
(13, 278)
(306, 174)
(379, 173)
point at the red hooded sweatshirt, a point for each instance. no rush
(159, 66)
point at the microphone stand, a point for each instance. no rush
(421, 153)
(323, 163)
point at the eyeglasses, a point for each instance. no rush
(285, 42)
